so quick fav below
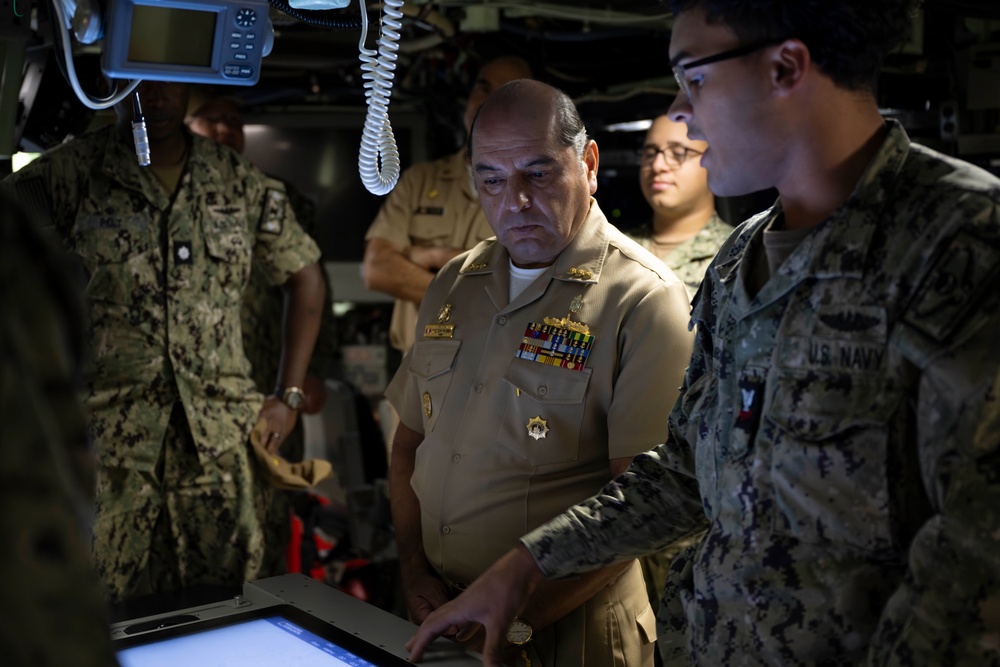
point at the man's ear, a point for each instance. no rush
(790, 64)
(591, 158)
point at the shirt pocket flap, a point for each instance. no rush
(429, 229)
(231, 245)
(815, 408)
(547, 384)
(646, 623)
(431, 358)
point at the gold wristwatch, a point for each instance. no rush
(519, 632)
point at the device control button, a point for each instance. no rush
(251, 35)
(246, 71)
(235, 35)
(240, 56)
(246, 17)
(249, 47)
(234, 45)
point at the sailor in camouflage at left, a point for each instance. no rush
(46, 477)
(166, 252)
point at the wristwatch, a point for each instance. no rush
(293, 397)
(519, 632)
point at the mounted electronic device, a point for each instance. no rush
(192, 41)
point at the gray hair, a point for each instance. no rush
(569, 126)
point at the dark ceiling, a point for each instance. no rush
(610, 56)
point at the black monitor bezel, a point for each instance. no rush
(350, 641)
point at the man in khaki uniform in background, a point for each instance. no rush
(431, 215)
(167, 251)
(528, 386)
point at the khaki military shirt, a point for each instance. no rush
(843, 426)
(165, 283)
(508, 442)
(689, 261)
(433, 205)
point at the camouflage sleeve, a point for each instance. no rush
(44, 189)
(947, 611)
(282, 247)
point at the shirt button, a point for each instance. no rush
(479, 388)
(456, 458)
(445, 529)
(502, 319)
(542, 390)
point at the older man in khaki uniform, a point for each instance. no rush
(167, 251)
(432, 215)
(528, 386)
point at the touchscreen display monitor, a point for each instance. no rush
(281, 635)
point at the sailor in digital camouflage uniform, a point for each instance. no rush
(507, 433)
(689, 259)
(219, 117)
(840, 419)
(55, 611)
(167, 251)
(685, 231)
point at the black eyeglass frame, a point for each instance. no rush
(672, 161)
(740, 51)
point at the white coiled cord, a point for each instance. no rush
(67, 47)
(377, 70)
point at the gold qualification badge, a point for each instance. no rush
(441, 329)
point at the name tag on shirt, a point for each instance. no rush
(555, 346)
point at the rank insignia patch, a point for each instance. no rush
(182, 252)
(751, 401)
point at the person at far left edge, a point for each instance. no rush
(166, 252)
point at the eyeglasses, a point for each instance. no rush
(674, 155)
(740, 51)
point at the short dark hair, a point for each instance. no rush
(847, 39)
(569, 125)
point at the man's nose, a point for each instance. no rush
(517, 195)
(680, 110)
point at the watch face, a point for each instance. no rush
(293, 399)
(519, 632)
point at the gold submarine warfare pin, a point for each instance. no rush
(567, 322)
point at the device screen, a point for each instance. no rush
(170, 35)
(261, 637)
